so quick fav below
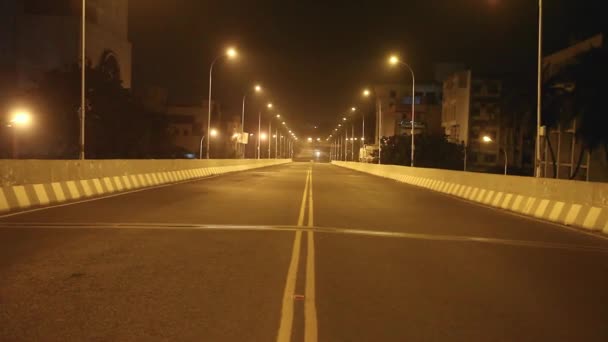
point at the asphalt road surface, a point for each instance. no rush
(299, 252)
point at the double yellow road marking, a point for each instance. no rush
(310, 309)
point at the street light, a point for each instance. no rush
(21, 118)
(83, 63)
(486, 139)
(257, 89)
(269, 105)
(263, 136)
(366, 93)
(230, 54)
(213, 133)
(394, 60)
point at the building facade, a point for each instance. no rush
(41, 35)
(471, 110)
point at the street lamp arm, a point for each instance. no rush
(209, 104)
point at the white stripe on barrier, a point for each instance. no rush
(97, 186)
(573, 214)
(134, 181)
(108, 183)
(529, 205)
(58, 191)
(118, 183)
(497, 199)
(126, 182)
(86, 188)
(517, 203)
(489, 197)
(43, 198)
(592, 216)
(3, 201)
(467, 192)
(73, 190)
(142, 179)
(22, 200)
(506, 201)
(542, 207)
(556, 211)
(481, 195)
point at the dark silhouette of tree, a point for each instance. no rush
(432, 151)
(117, 126)
(576, 93)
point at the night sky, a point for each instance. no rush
(315, 57)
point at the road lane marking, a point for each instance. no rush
(303, 205)
(287, 307)
(284, 334)
(310, 206)
(310, 308)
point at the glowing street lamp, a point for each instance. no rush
(21, 118)
(263, 136)
(214, 133)
(230, 53)
(488, 140)
(394, 60)
(269, 105)
(366, 93)
(257, 89)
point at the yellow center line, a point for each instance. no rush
(310, 308)
(286, 323)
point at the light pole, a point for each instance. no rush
(486, 139)
(269, 138)
(83, 79)
(378, 109)
(257, 89)
(395, 60)
(259, 132)
(465, 157)
(539, 87)
(200, 154)
(230, 53)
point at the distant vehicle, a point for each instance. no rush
(317, 153)
(369, 154)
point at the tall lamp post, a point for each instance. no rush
(539, 87)
(83, 79)
(231, 54)
(394, 60)
(256, 89)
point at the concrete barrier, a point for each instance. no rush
(575, 203)
(33, 183)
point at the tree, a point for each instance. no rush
(576, 93)
(432, 151)
(117, 126)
